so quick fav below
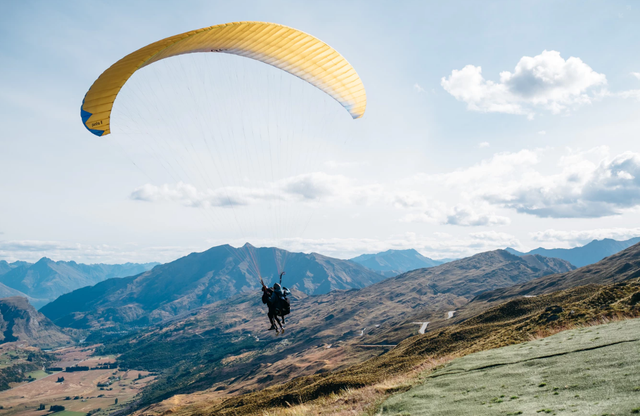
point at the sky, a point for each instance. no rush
(488, 124)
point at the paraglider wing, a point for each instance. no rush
(283, 47)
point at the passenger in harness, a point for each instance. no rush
(279, 300)
(276, 300)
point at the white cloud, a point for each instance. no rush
(489, 172)
(483, 144)
(636, 74)
(630, 94)
(424, 210)
(462, 215)
(33, 250)
(418, 88)
(36, 246)
(470, 217)
(581, 237)
(189, 195)
(307, 187)
(545, 81)
(542, 132)
(409, 199)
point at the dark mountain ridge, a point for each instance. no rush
(394, 262)
(622, 266)
(200, 279)
(585, 255)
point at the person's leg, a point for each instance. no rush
(278, 322)
(273, 325)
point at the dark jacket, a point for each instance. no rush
(267, 293)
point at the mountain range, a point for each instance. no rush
(211, 336)
(584, 255)
(45, 280)
(200, 279)
(394, 262)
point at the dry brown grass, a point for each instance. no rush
(362, 401)
(601, 320)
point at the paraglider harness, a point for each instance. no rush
(277, 301)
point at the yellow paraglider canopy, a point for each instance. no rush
(286, 48)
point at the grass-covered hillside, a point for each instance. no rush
(590, 370)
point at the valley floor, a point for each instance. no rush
(79, 392)
(586, 371)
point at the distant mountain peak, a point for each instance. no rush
(394, 262)
(590, 253)
(45, 260)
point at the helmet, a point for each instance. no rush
(277, 288)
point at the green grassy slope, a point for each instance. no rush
(592, 370)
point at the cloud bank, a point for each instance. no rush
(586, 184)
(583, 189)
(590, 184)
(34, 250)
(320, 187)
(317, 186)
(438, 245)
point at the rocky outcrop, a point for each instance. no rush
(19, 321)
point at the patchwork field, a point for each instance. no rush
(79, 392)
(587, 371)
